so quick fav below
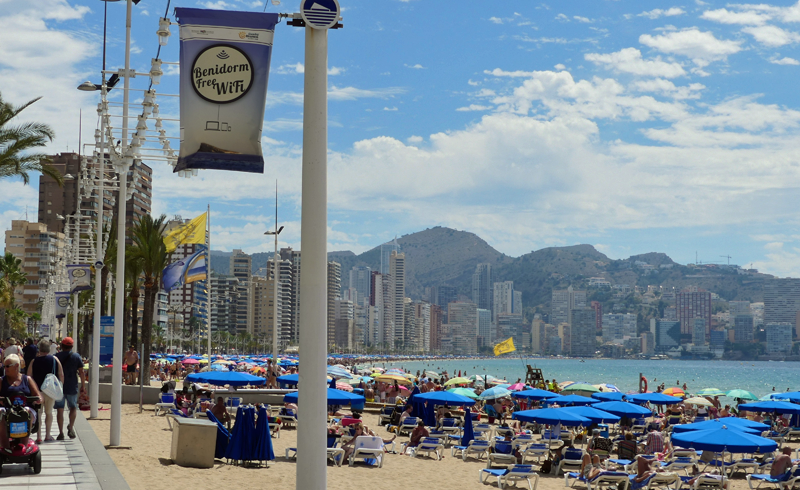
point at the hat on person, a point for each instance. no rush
(67, 342)
(595, 431)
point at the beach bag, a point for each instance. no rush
(51, 386)
(546, 466)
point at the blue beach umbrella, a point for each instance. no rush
(593, 414)
(623, 409)
(262, 450)
(223, 436)
(551, 416)
(230, 378)
(730, 422)
(335, 397)
(445, 398)
(535, 394)
(494, 393)
(654, 398)
(288, 379)
(338, 372)
(575, 400)
(469, 433)
(771, 407)
(609, 396)
(235, 450)
(723, 439)
(792, 396)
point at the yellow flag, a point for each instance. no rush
(505, 346)
(192, 232)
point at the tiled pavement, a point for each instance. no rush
(73, 464)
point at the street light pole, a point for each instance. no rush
(122, 170)
(94, 380)
(275, 278)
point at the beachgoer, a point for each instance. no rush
(417, 434)
(590, 466)
(13, 385)
(40, 366)
(627, 448)
(29, 352)
(221, 412)
(131, 359)
(72, 366)
(782, 463)
(654, 443)
(643, 468)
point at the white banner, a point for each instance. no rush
(80, 277)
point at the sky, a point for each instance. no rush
(632, 126)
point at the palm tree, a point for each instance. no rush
(148, 247)
(16, 141)
(12, 278)
(133, 272)
(17, 320)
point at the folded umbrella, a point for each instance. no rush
(262, 450)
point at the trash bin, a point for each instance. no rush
(193, 442)
(603, 429)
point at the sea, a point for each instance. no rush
(758, 377)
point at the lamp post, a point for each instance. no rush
(275, 278)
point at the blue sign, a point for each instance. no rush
(320, 14)
(106, 339)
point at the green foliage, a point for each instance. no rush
(17, 141)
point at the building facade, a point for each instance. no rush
(690, 305)
(39, 251)
(782, 302)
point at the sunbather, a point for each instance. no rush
(643, 469)
(712, 474)
(418, 434)
(221, 412)
(590, 466)
(361, 430)
(782, 463)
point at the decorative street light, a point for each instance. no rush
(275, 279)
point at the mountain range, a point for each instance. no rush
(439, 255)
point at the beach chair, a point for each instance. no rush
(500, 432)
(477, 447)
(573, 459)
(166, 402)
(385, 417)
(450, 426)
(606, 479)
(232, 403)
(335, 454)
(792, 433)
(669, 481)
(787, 481)
(638, 426)
(367, 447)
(482, 431)
(521, 441)
(512, 474)
(428, 445)
(173, 414)
(534, 451)
(681, 463)
(288, 417)
(709, 482)
(501, 454)
(775, 436)
(407, 426)
(744, 464)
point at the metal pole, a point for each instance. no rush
(94, 379)
(275, 303)
(75, 322)
(141, 379)
(208, 278)
(311, 465)
(116, 374)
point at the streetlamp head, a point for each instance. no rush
(87, 86)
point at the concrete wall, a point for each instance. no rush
(130, 394)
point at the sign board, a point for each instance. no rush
(106, 339)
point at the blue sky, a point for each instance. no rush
(633, 126)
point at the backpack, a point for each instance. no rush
(546, 466)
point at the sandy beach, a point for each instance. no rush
(146, 465)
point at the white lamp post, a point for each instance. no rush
(275, 278)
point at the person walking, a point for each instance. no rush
(131, 359)
(29, 351)
(72, 367)
(43, 364)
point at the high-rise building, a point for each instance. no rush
(225, 292)
(513, 326)
(598, 316)
(39, 250)
(563, 302)
(691, 304)
(397, 269)
(444, 296)
(412, 342)
(618, 326)
(782, 302)
(699, 331)
(538, 339)
(779, 338)
(436, 328)
(668, 334)
(743, 328)
(648, 343)
(503, 299)
(463, 321)
(485, 331)
(293, 256)
(583, 332)
(285, 308)
(381, 311)
(565, 334)
(360, 281)
(334, 293)
(344, 323)
(739, 308)
(55, 200)
(386, 254)
(483, 286)
(241, 266)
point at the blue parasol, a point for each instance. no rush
(230, 378)
(730, 422)
(612, 396)
(723, 439)
(623, 409)
(593, 414)
(335, 397)
(262, 450)
(223, 436)
(574, 400)
(288, 380)
(494, 393)
(445, 398)
(535, 394)
(655, 398)
(551, 416)
(235, 450)
(469, 433)
(771, 407)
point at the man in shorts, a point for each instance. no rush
(131, 359)
(72, 366)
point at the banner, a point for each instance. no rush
(185, 271)
(62, 301)
(191, 232)
(224, 61)
(505, 347)
(80, 277)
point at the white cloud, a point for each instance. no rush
(218, 5)
(585, 20)
(414, 139)
(785, 61)
(699, 46)
(390, 109)
(656, 13)
(415, 67)
(560, 67)
(669, 89)
(629, 60)
(725, 16)
(353, 93)
(495, 20)
(474, 107)
(562, 17)
(772, 36)
(299, 68)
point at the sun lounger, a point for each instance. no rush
(501, 454)
(482, 431)
(606, 479)
(534, 451)
(335, 454)
(407, 426)
(477, 447)
(385, 417)
(787, 481)
(793, 432)
(681, 463)
(658, 480)
(288, 417)
(709, 482)
(573, 460)
(173, 414)
(367, 447)
(166, 402)
(514, 473)
(521, 441)
(428, 445)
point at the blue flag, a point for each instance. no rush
(185, 271)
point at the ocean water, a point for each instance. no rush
(757, 377)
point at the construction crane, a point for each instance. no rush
(728, 257)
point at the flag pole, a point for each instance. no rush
(208, 278)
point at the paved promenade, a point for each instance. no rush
(73, 464)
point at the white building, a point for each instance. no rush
(779, 338)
